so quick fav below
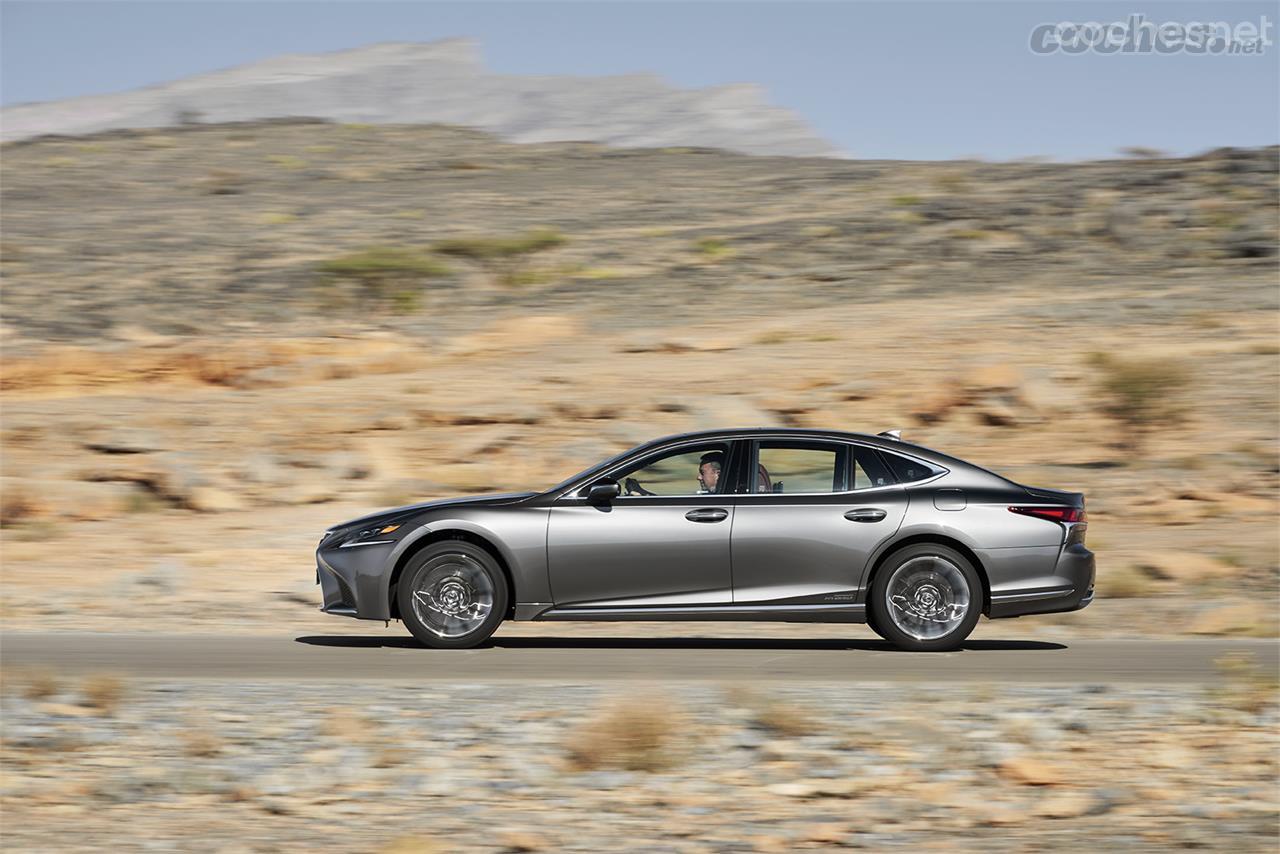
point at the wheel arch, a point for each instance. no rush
(938, 539)
(442, 535)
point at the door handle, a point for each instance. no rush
(866, 514)
(711, 514)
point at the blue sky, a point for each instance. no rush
(913, 80)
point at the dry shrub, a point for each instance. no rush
(502, 257)
(785, 719)
(346, 726)
(222, 182)
(1125, 582)
(414, 845)
(17, 505)
(1246, 687)
(388, 756)
(636, 734)
(35, 683)
(103, 693)
(1142, 393)
(200, 743)
(773, 715)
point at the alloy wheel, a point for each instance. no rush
(452, 596)
(928, 597)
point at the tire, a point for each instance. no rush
(874, 624)
(452, 595)
(925, 598)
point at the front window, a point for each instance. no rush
(697, 470)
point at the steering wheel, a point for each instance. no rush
(631, 486)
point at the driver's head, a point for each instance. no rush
(709, 470)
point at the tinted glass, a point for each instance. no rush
(868, 471)
(908, 470)
(698, 471)
(799, 468)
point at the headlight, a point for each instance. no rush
(376, 535)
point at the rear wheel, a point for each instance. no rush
(926, 598)
(452, 595)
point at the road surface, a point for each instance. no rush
(565, 658)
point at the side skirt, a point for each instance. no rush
(759, 613)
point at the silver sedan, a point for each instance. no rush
(765, 524)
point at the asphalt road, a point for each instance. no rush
(347, 658)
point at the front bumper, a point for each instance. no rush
(350, 580)
(1072, 588)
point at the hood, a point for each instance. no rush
(412, 509)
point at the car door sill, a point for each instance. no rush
(850, 613)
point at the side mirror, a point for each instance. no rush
(603, 493)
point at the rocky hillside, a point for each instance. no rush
(444, 82)
(209, 229)
(212, 329)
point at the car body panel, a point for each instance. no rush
(803, 550)
(639, 552)
(790, 557)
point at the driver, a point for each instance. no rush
(709, 471)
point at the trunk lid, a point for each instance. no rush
(1056, 496)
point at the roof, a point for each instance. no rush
(803, 432)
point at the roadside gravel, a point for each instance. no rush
(474, 767)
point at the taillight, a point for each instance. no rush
(1053, 514)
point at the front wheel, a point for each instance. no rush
(452, 595)
(926, 598)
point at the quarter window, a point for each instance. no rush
(908, 470)
(868, 471)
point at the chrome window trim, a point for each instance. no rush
(570, 493)
(862, 491)
(852, 443)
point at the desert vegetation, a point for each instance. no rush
(504, 258)
(386, 273)
(1142, 394)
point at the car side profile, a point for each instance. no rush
(750, 524)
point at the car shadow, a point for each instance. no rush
(372, 642)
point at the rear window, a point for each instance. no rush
(908, 470)
(802, 468)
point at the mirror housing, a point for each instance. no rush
(603, 493)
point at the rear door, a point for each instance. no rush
(815, 512)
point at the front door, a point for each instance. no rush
(815, 514)
(663, 542)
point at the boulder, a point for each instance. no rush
(1029, 771)
(124, 440)
(211, 499)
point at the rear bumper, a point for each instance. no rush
(1072, 589)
